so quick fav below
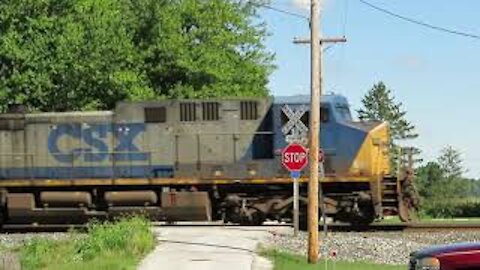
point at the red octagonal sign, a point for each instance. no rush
(294, 157)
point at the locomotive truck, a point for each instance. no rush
(178, 160)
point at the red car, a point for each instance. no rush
(464, 256)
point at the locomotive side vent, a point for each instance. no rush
(210, 111)
(248, 110)
(155, 115)
(188, 112)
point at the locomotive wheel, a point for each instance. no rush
(362, 221)
(247, 216)
(365, 216)
(256, 219)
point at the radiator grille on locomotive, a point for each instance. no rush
(155, 115)
(210, 111)
(188, 112)
(248, 110)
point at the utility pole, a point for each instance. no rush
(315, 42)
(315, 82)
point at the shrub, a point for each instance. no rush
(109, 245)
(451, 208)
(131, 234)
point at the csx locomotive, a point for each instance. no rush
(177, 160)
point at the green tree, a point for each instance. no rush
(379, 105)
(197, 49)
(427, 178)
(66, 55)
(443, 178)
(451, 163)
(445, 192)
(89, 54)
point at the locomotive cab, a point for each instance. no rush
(352, 148)
(356, 160)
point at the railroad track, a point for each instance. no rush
(336, 227)
(405, 227)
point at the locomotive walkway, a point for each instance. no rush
(207, 248)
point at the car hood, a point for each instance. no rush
(443, 249)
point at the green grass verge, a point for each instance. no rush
(286, 261)
(108, 246)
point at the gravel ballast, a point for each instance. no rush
(11, 240)
(379, 247)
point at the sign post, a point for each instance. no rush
(294, 159)
(296, 222)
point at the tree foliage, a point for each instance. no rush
(451, 163)
(58, 55)
(443, 178)
(428, 178)
(379, 104)
(445, 190)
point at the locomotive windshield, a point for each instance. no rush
(343, 112)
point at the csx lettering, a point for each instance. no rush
(294, 157)
(94, 137)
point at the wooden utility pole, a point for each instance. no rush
(315, 41)
(313, 244)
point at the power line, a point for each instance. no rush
(286, 12)
(438, 28)
(326, 49)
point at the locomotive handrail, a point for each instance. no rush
(227, 133)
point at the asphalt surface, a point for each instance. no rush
(208, 248)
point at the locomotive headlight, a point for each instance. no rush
(377, 141)
(428, 263)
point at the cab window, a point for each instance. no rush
(324, 115)
(344, 112)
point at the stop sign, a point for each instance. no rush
(294, 157)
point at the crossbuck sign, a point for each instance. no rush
(295, 130)
(295, 156)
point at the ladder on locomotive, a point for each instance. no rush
(390, 194)
(392, 197)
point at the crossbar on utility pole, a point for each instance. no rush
(322, 41)
(314, 131)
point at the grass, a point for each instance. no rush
(286, 261)
(116, 245)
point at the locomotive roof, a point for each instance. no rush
(71, 114)
(305, 99)
(295, 99)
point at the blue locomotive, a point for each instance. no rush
(188, 160)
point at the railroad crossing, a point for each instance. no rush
(212, 248)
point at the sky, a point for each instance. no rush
(434, 74)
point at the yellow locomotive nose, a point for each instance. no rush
(372, 158)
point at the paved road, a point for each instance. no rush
(208, 248)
